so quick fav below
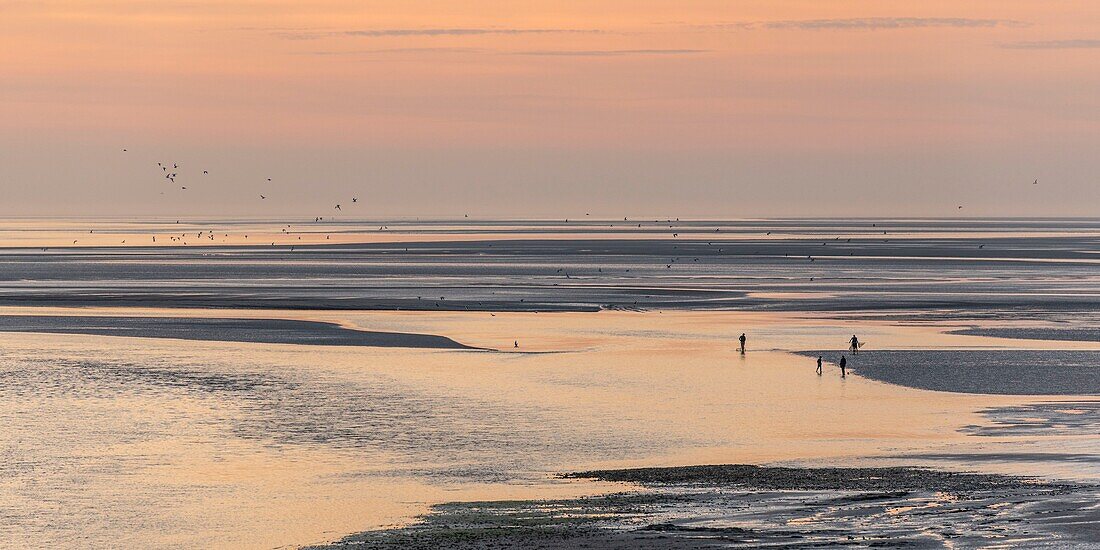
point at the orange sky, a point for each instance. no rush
(504, 109)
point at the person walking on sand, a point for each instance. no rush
(515, 344)
(742, 340)
(855, 344)
(819, 365)
(843, 364)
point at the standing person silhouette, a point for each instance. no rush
(742, 340)
(843, 364)
(819, 365)
(855, 344)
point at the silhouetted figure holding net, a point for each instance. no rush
(855, 344)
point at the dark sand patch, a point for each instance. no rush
(812, 479)
(1010, 372)
(739, 506)
(1035, 333)
(265, 331)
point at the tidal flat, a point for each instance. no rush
(431, 384)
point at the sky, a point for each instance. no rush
(550, 109)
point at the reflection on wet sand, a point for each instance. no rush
(251, 445)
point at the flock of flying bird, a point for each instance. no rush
(173, 174)
(170, 173)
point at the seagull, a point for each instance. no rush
(355, 199)
(205, 172)
(1036, 182)
(337, 206)
(262, 197)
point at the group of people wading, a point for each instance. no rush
(854, 346)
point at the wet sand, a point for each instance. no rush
(1010, 372)
(1036, 333)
